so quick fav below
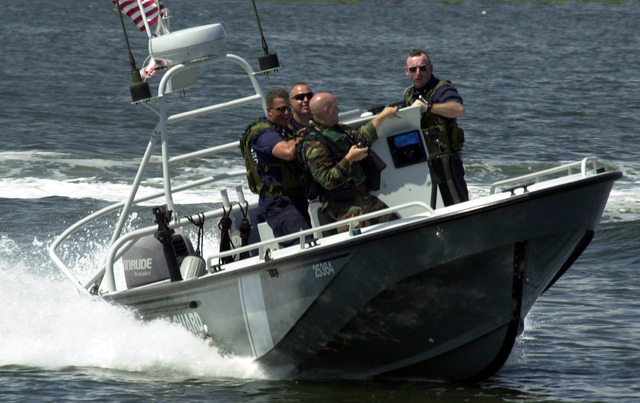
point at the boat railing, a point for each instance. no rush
(264, 247)
(133, 199)
(117, 206)
(581, 167)
(164, 119)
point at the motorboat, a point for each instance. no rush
(439, 293)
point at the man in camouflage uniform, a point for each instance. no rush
(337, 170)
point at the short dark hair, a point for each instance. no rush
(276, 93)
(418, 52)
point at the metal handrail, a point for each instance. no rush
(301, 235)
(114, 251)
(110, 209)
(160, 130)
(537, 176)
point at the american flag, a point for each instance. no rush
(151, 11)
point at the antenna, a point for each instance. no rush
(140, 90)
(269, 61)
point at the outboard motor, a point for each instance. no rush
(146, 261)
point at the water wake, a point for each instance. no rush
(47, 324)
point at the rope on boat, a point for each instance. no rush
(245, 229)
(200, 225)
(224, 225)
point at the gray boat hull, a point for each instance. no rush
(441, 297)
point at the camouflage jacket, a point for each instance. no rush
(331, 169)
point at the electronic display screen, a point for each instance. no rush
(407, 148)
(407, 139)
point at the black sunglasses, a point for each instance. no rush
(283, 109)
(422, 68)
(301, 97)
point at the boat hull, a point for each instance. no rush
(441, 297)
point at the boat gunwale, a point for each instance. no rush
(369, 234)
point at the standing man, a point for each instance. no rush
(332, 152)
(269, 148)
(300, 98)
(441, 105)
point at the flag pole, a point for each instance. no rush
(144, 18)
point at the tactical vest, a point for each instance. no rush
(338, 144)
(450, 135)
(343, 143)
(290, 185)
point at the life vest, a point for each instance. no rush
(311, 189)
(290, 185)
(338, 143)
(451, 136)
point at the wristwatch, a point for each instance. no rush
(427, 104)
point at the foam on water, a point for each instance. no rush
(35, 175)
(37, 188)
(46, 323)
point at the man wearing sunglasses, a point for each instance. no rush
(300, 97)
(273, 169)
(441, 105)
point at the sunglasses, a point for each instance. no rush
(283, 109)
(301, 97)
(422, 68)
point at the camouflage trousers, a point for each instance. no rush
(363, 203)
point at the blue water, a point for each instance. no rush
(544, 83)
